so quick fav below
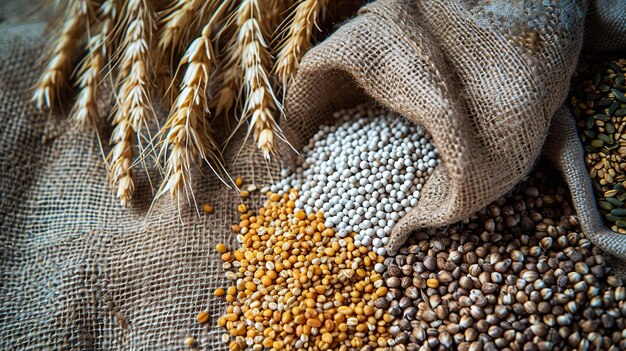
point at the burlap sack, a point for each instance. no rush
(484, 77)
(79, 272)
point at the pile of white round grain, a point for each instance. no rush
(364, 172)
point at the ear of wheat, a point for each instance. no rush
(229, 81)
(120, 159)
(174, 22)
(187, 133)
(173, 31)
(55, 76)
(260, 105)
(299, 37)
(228, 76)
(134, 108)
(85, 110)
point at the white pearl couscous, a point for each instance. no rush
(364, 172)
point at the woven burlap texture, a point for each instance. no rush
(79, 272)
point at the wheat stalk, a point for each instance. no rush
(246, 72)
(298, 39)
(188, 135)
(255, 60)
(133, 108)
(85, 110)
(55, 75)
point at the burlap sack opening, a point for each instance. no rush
(605, 34)
(483, 77)
(564, 149)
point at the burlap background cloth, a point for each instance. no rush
(485, 77)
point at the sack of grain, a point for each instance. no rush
(485, 78)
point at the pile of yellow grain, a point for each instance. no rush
(296, 285)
